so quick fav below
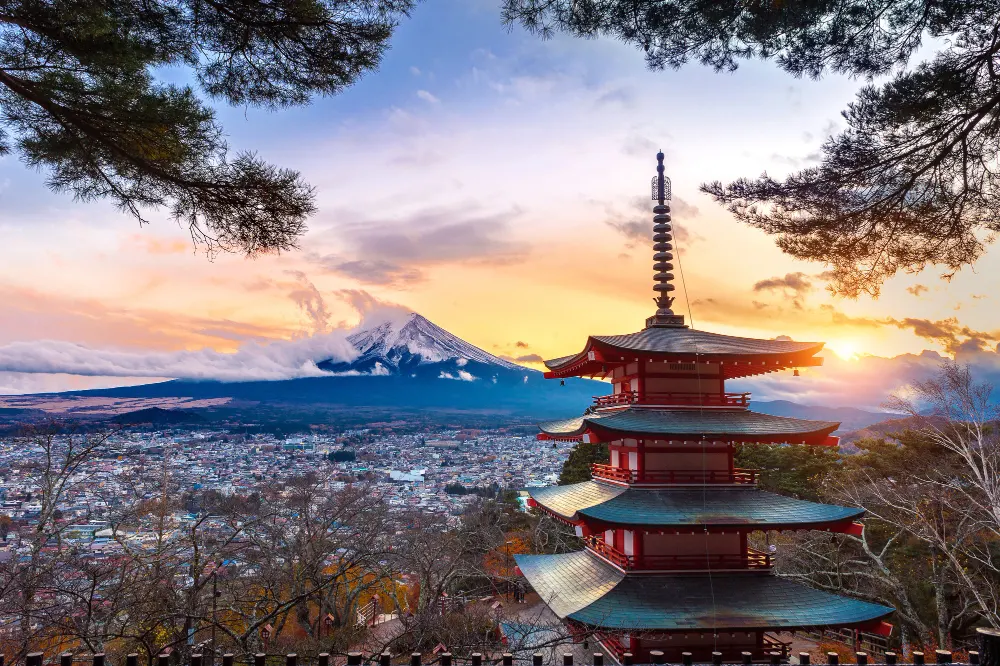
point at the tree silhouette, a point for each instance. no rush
(79, 98)
(913, 179)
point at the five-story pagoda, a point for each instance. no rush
(667, 565)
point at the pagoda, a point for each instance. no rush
(667, 563)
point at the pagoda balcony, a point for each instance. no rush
(671, 477)
(625, 398)
(753, 560)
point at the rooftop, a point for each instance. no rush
(719, 507)
(579, 586)
(687, 344)
(732, 425)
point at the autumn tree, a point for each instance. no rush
(81, 97)
(910, 181)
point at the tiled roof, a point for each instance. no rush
(581, 587)
(719, 507)
(689, 341)
(689, 422)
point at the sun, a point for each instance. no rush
(845, 349)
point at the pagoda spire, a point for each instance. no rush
(663, 253)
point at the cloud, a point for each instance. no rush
(307, 297)
(428, 97)
(463, 376)
(866, 381)
(521, 344)
(253, 361)
(395, 252)
(377, 272)
(530, 358)
(796, 282)
(639, 146)
(280, 359)
(917, 289)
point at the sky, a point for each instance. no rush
(498, 184)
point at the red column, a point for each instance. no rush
(640, 459)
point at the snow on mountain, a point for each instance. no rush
(397, 347)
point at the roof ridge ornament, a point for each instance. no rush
(663, 254)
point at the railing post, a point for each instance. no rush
(890, 658)
(716, 659)
(477, 659)
(775, 658)
(259, 659)
(942, 656)
(861, 658)
(195, 660)
(804, 659)
(656, 656)
(131, 659)
(508, 659)
(598, 659)
(918, 658)
(66, 659)
(747, 658)
(989, 646)
(323, 658)
(291, 659)
(536, 659)
(98, 659)
(445, 659)
(567, 659)
(228, 659)
(353, 659)
(414, 659)
(163, 660)
(626, 659)
(973, 658)
(832, 658)
(1, 659)
(686, 658)
(33, 659)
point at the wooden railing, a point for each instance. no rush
(754, 559)
(737, 475)
(673, 399)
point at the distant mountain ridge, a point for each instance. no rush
(850, 418)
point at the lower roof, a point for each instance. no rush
(580, 587)
(730, 424)
(686, 507)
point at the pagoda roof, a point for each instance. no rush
(579, 586)
(686, 344)
(731, 424)
(688, 507)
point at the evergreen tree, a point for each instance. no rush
(911, 181)
(577, 466)
(79, 97)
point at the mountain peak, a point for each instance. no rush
(397, 346)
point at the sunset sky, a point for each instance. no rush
(499, 185)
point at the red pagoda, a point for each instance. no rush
(667, 565)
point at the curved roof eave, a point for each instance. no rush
(731, 508)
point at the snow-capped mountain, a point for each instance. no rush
(417, 346)
(401, 365)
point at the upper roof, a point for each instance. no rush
(688, 507)
(685, 343)
(580, 587)
(730, 425)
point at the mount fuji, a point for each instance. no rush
(402, 364)
(419, 348)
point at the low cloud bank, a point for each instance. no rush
(866, 381)
(254, 361)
